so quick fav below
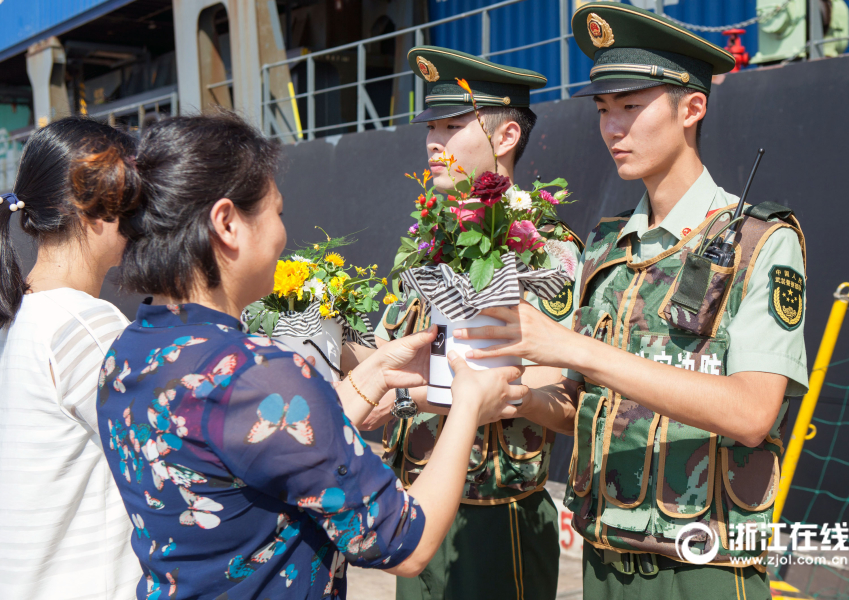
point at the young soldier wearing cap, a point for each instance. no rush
(504, 541)
(682, 367)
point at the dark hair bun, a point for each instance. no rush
(105, 184)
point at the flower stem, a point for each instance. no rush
(291, 303)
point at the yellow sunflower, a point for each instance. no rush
(335, 259)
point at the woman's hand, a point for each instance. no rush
(405, 362)
(489, 389)
(402, 363)
(530, 334)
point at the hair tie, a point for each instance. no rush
(14, 202)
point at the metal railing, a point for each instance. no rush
(139, 108)
(366, 112)
(11, 144)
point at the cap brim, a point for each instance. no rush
(615, 86)
(435, 113)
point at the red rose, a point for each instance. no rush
(437, 258)
(489, 187)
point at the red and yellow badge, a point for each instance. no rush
(786, 296)
(600, 32)
(427, 69)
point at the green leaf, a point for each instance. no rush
(269, 320)
(450, 203)
(472, 252)
(495, 257)
(464, 186)
(469, 238)
(547, 263)
(355, 321)
(321, 274)
(485, 245)
(473, 205)
(253, 326)
(408, 243)
(525, 256)
(401, 257)
(481, 273)
(416, 214)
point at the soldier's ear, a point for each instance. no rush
(506, 137)
(693, 108)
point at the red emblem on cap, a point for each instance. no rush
(686, 231)
(595, 29)
(423, 68)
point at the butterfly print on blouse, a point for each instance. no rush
(154, 587)
(275, 415)
(200, 511)
(286, 531)
(202, 384)
(159, 356)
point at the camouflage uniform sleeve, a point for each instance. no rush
(759, 340)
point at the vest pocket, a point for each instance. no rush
(686, 469)
(696, 301)
(420, 438)
(629, 432)
(750, 476)
(583, 452)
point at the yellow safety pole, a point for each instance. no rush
(809, 402)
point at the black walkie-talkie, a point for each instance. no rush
(722, 253)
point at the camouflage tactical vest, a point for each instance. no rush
(657, 475)
(509, 458)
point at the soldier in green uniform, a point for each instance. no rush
(681, 367)
(504, 541)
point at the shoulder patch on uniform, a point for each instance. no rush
(786, 296)
(560, 307)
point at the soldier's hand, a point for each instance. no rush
(529, 334)
(490, 389)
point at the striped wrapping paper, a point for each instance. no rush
(453, 294)
(308, 323)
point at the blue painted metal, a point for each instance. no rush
(25, 22)
(537, 20)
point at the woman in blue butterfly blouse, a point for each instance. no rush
(240, 467)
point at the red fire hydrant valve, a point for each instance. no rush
(736, 48)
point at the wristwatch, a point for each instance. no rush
(404, 407)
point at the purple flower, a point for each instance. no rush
(544, 195)
(413, 229)
(424, 245)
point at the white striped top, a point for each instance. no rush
(64, 532)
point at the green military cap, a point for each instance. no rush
(492, 84)
(634, 49)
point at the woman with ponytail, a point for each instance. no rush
(63, 532)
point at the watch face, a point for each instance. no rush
(404, 408)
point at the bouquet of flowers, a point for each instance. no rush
(315, 290)
(486, 218)
(475, 248)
